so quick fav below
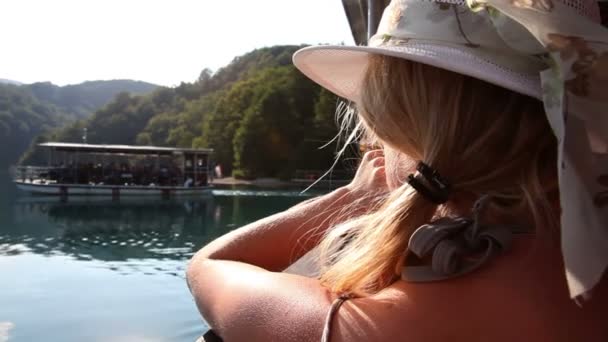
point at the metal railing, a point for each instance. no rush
(30, 173)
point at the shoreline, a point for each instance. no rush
(273, 182)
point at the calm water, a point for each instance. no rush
(99, 270)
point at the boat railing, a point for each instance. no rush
(98, 175)
(30, 173)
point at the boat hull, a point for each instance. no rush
(110, 190)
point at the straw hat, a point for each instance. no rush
(444, 34)
(552, 50)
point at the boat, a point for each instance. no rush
(117, 170)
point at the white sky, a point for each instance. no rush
(159, 41)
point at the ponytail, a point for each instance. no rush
(360, 257)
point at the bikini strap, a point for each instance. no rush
(209, 336)
(328, 320)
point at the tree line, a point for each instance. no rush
(262, 117)
(31, 109)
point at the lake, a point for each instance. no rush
(94, 269)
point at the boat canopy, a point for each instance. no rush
(123, 149)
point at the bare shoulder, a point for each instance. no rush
(521, 296)
(386, 316)
(446, 311)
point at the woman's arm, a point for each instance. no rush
(273, 243)
(229, 278)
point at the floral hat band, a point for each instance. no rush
(553, 50)
(454, 24)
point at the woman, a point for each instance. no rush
(460, 226)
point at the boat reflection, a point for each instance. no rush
(130, 231)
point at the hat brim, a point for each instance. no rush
(340, 68)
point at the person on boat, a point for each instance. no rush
(218, 171)
(481, 215)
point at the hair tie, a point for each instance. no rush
(429, 183)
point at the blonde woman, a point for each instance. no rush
(480, 218)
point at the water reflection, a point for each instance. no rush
(110, 270)
(131, 229)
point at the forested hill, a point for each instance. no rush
(5, 81)
(29, 109)
(261, 115)
(83, 99)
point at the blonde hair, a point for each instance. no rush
(483, 138)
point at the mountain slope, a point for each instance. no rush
(29, 110)
(5, 81)
(84, 98)
(23, 116)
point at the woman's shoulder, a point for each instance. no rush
(522, 295)
(519, 296)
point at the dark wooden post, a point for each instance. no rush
(372, 18)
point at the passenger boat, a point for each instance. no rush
(117, 170)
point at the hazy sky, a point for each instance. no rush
(158, 41)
